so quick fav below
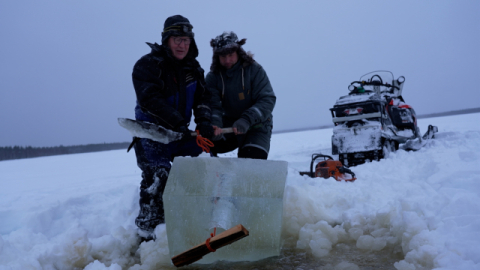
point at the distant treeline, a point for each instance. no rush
(18, 152)
(465, 111)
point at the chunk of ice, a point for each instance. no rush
(206, 193)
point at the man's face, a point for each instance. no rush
(179, 46)
(228, 60)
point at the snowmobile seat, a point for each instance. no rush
(358, 90)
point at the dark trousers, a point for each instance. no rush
(154, 159)
(253, 144)
(231, 142)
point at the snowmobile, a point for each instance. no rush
(373, 120)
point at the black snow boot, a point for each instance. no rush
(151, 203)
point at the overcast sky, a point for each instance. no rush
(65, 66)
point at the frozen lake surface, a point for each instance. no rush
(414, 210)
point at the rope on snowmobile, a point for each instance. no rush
(204, 143)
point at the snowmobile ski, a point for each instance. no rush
(417, 143)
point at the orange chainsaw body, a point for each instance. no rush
(329, 168)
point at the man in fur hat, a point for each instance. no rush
(169, 83)
(242, 98)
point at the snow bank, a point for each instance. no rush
(423, 205)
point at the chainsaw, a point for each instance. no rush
(329, 168)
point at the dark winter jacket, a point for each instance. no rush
(241, 91)
(168, 89)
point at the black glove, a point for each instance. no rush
(241, 125)
(186, 133)
(206, 129)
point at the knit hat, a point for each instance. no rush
(176, 25)
(226, 43)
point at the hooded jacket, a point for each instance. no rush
(243, 91)
(167, 89)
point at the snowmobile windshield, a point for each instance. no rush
(380, 77)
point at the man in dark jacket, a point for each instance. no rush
(242, 97)
(169, 84)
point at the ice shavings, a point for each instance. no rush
(415, 220)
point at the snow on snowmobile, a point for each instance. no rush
(374, 120)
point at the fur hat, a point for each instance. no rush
(226, 43)
(177, 25)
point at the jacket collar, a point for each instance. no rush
(230, 72)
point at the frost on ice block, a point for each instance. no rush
(207, 193)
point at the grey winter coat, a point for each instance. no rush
(244, 91)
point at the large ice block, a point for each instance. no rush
(205, 193)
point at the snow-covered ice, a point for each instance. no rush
(421, 209)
